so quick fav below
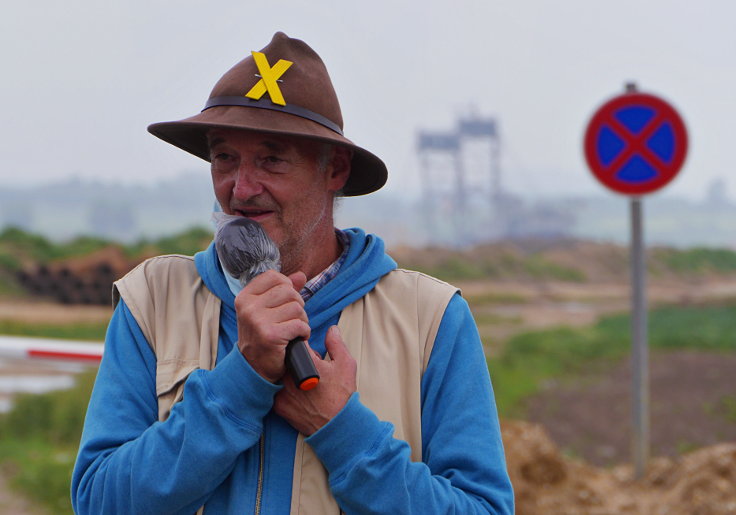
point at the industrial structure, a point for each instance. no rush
(464, 201)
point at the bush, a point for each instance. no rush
(187, 242)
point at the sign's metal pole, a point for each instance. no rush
(640, 348)
(614, 139)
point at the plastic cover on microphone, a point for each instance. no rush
(244, 248)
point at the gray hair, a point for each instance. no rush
(326, 152)
(324, 157)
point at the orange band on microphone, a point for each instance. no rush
(309, 383)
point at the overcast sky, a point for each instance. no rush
(82, 79)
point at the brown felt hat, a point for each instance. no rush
(265, 93)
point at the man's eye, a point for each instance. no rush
(272, 159)
(222, 156)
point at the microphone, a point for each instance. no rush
(246, 251)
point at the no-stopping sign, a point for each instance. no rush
(635, 143)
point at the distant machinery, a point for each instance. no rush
(464, 201)
(461, 178)
(486, 130)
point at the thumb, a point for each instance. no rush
(335, 345)
(298, 280)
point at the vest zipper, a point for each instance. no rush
(261, 460)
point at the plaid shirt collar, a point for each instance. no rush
(329, 273)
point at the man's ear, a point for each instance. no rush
(339, 168)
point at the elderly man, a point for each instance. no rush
(193, 409)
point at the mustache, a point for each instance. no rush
(254, 204)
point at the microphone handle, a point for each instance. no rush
(300, 365)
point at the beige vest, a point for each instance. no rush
(390, 333)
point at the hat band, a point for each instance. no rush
(265, 103)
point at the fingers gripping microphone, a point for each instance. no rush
(246, 251)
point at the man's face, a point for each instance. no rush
(278, 182)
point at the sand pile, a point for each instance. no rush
(702, 482)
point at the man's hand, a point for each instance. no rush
(270, 313)
(308, 411)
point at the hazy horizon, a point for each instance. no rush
(127, 213)
(82, 80)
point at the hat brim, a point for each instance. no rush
(368, 173)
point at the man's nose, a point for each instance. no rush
(247, 183)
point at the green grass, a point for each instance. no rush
(453, 269)
(684, 446)
(484, 263)
(17, 245)
(698, 260)
(486, 319)
(9, 286)
(537, 267)
(187, 242)
(531, 358)
(728, 407)
(40, 471)
(91, 331)
(495, 298)
(710, 328)
(465, 267)
(39, 438)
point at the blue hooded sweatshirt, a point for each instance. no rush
(222, 436)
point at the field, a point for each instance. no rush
(553, 321)
(572, 372)
(557, 338)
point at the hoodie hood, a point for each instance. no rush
(364, 265)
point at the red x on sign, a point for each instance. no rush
(635, 143)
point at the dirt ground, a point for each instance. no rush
(51, 313)
(692, 405)
(702, 482)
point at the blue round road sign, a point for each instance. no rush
(635, 143)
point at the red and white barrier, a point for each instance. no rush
(21, 347)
